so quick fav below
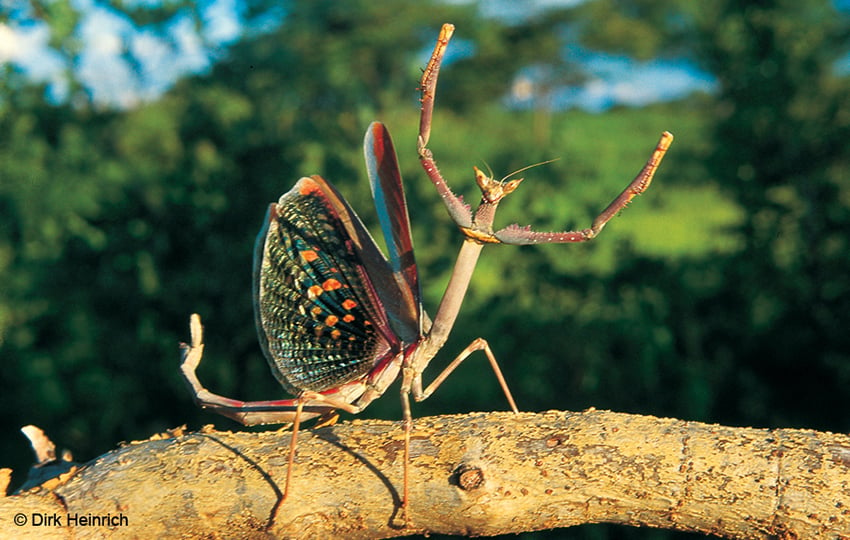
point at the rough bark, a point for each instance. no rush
(475, 474)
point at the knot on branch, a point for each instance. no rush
(467, 477)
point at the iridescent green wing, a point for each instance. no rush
(320, 321)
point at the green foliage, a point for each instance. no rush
(720, 295)
(782, 126)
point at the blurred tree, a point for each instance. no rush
(767, 322)
(782, 122)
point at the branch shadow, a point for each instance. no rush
(256, 467)
(327, 435)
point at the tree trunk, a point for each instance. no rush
(474, 474)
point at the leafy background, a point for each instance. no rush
(721, 295)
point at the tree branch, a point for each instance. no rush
(476, 474)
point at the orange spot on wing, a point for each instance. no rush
(315, 290)
(331, 320)
(307, 188)
(309, 255)
(331, 284)
(348, 318)
(349, 304)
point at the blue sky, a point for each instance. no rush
(612, 80)
(105, 33)
(615, 80)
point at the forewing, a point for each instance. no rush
(319, 320)
(388, 193)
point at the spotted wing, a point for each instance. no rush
(319, 320)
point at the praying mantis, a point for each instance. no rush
(338, 321)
